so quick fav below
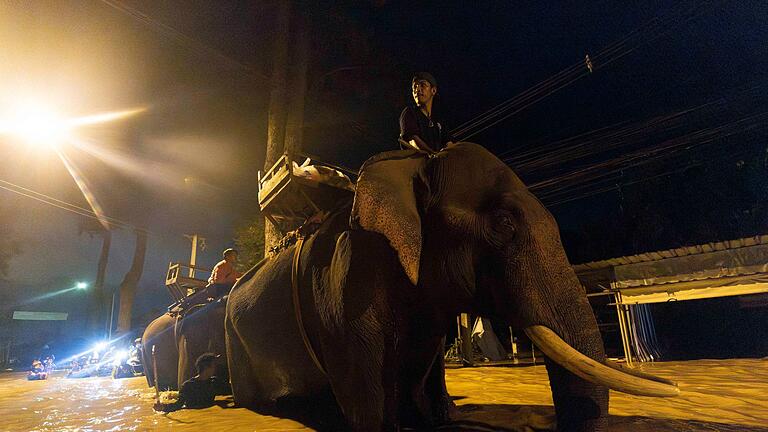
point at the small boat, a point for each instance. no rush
(36, 376)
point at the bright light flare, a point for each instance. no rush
(40, 126)
(81, 285)
(103, 117)
(120, 356)
(99, 347)
(37, 125)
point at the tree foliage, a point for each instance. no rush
(249, 240)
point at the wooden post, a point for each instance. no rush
(623, 329)
(466, 339)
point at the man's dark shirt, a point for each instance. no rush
(195, 393)
(413, 122)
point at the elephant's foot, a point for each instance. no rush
(447, 410)
(428, 410)
(443, 409)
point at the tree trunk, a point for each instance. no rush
(98, 300)
(130, 282)
(288, 94)
(294, 124)
(277, 103)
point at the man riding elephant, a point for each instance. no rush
(359, 307)
(223, 275)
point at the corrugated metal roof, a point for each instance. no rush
(670, 253)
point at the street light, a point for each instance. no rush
(37, 125)
(40, 126)
(81, 285)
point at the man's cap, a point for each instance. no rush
(227, 252)
(205, 359)
(426, 76)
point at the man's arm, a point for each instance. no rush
(409, 132)
(408, 125)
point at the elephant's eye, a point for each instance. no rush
(505, 220)
(501, 228)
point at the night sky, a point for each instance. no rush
(205, 118)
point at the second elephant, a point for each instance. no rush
(180, 339)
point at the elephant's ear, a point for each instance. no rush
(386, 203)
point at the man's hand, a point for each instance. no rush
(417, 144)
(404, 144)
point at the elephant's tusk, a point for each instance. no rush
(638, 373)
(613, 377)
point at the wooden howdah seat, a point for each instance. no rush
(181, 281)
(294, 189)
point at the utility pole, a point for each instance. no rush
(194, 238)
(111, 315)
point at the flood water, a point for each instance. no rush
(716, 395)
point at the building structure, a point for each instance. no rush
(631, 283)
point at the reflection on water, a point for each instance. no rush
(722, 395)
(104, 404)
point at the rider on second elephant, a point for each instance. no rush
(360, 307)
(223, 275)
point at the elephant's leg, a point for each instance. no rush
(361, 351)
(159, 334)
(425, 400)
(146, 362)
(241, 376)
(364, 375)
(186, 360)
(436, 390)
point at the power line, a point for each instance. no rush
(561, 188)
(193, 45)
(64, 205)
(650, 31)
(550, 202)
(619, 135)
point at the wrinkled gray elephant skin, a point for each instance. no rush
(426, 238)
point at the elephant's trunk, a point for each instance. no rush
(554, 311)
(606, 374)
(581, 404)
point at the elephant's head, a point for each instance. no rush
(471, 236)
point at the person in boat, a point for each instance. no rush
(223, 275)
(198, 391)
(37, 371)
(420, 128)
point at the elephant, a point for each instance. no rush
(180, 340)
(381, 279)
